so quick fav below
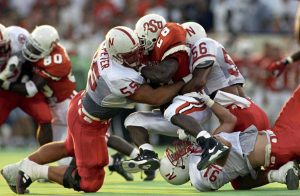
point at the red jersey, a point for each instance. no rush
(57, 69)
(171, 43)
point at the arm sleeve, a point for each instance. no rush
(202, 51)
(126, 86)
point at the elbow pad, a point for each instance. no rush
(31, 88)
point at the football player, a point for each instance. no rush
(215, 71)
(275, 149)
(12, 39)
(168, 54)
(113, 83)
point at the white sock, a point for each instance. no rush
(270, 176)
(33, 170)
(274, 176)
(204, 134)
(110, 160)
(134, 153)
(147, 146)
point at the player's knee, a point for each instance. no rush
(169, 113)
(94, 181)
(92, 186)
(71, 178)
(91, 183)
(134, 119)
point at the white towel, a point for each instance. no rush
(226, 99)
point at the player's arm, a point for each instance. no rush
(199, 78)
(161, 73)
(158, 96)
(277, 67)
(226, 119)
(247, 182)
(29, 88)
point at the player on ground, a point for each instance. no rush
(168, 55)
(113, 83)
(274, 149)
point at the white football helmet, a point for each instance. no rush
(148, 29)
(194, 32)
(4, 45)
(174, 166)
(40, 43)
(123, 46)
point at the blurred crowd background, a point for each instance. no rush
(254, 32)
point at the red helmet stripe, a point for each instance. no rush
(128, 34)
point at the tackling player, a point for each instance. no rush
(214, 71)
(168, 56)
(113, 83)
(12, 63)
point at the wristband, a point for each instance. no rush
(209, 103)
(5, 85)
(289, 60)
(141, 67)
(187, 78)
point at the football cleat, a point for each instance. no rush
(23, 182)
(146, 160)
(9, 173)
(292, 177)
(117, 167)
(150, 175)
(212, 153)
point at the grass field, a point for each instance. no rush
(116, 185)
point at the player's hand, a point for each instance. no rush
(200, 96)
(4, 84)
(277, 68)
(9, 68)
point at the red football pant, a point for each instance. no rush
(37, 106)
(86, 141)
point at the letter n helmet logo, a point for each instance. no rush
(111, 42)
(171, 176)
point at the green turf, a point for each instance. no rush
(115, 185)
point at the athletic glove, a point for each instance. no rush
(277, 68)
(9, 68)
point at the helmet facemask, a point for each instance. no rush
(147, 44)
(174, 166)
(131, 59)
(32, 51)
(182, 149)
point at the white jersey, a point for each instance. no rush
(224, 72)
(237, 164)
(17, 36)
(109, 83)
